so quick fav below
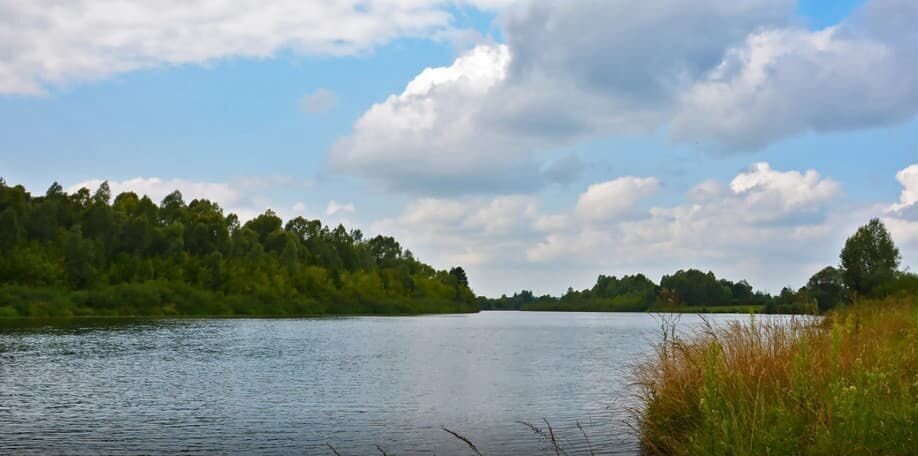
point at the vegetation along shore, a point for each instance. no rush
(87, 254)
(845, 384)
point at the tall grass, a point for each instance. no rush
(847, 384)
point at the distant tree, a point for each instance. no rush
(264, 225)
(232, 223)
(81, 198)
(827, 287)
(303, 228)
(127, 202)
(742, 291)
(54, 190)
(384, 249)
(172, 206)
(696, 288)
(78, 257)
(11, 231)
(103, 195)
(869, 258)
(461, 278)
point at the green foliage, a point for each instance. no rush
(88, 254)
(827, 288)
(696, 288)
(11, 231)
(691, 290)
(869, 258)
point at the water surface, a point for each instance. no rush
(292, 386)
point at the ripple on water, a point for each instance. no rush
(293, 385)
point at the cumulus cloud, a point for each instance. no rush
(319, 101)
(608, 200)
(735, 75)
(467, 231)
(46, 43)
(433, 126)
(775, 193)
(902, 217)
(784, 82)
(908, 177)
(728, 221)
(774, 227)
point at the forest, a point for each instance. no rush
(869, 267)
(91, 254)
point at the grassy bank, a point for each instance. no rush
(845, 385)
(171, 299)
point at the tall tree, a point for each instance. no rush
(460, 276)
(869, 258)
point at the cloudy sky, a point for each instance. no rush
(537, 144)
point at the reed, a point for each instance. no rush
(847, 384)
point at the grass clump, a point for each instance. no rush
(847, 384)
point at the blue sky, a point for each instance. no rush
(556, 141)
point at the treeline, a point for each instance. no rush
(87, 253)
(868, 268)
(637, 293)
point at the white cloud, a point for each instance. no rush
(773, 193)
(338, 208)
(319, 101)
(902, 218)
(773, 227)
(607, 200)
(432, 125)
(468, 231)
(760, 205)
(908, 177)
(785, 82)
(45, 43)
(768, 226)
(579, 68)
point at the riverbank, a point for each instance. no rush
(170, 299)
(737, 309)
(845, 385)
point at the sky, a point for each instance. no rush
(537, 144)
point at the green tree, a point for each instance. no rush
(129, 255)
(869, 258)
(78, 258)
(827, 287)
(264, 225)
(460, 276)
(11, 231)
(172, 208)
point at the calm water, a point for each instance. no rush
(291, 386)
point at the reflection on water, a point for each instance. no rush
(291, 386)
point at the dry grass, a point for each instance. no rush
(845, 385)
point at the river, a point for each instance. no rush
(295, 386)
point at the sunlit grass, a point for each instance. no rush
(845, 385)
